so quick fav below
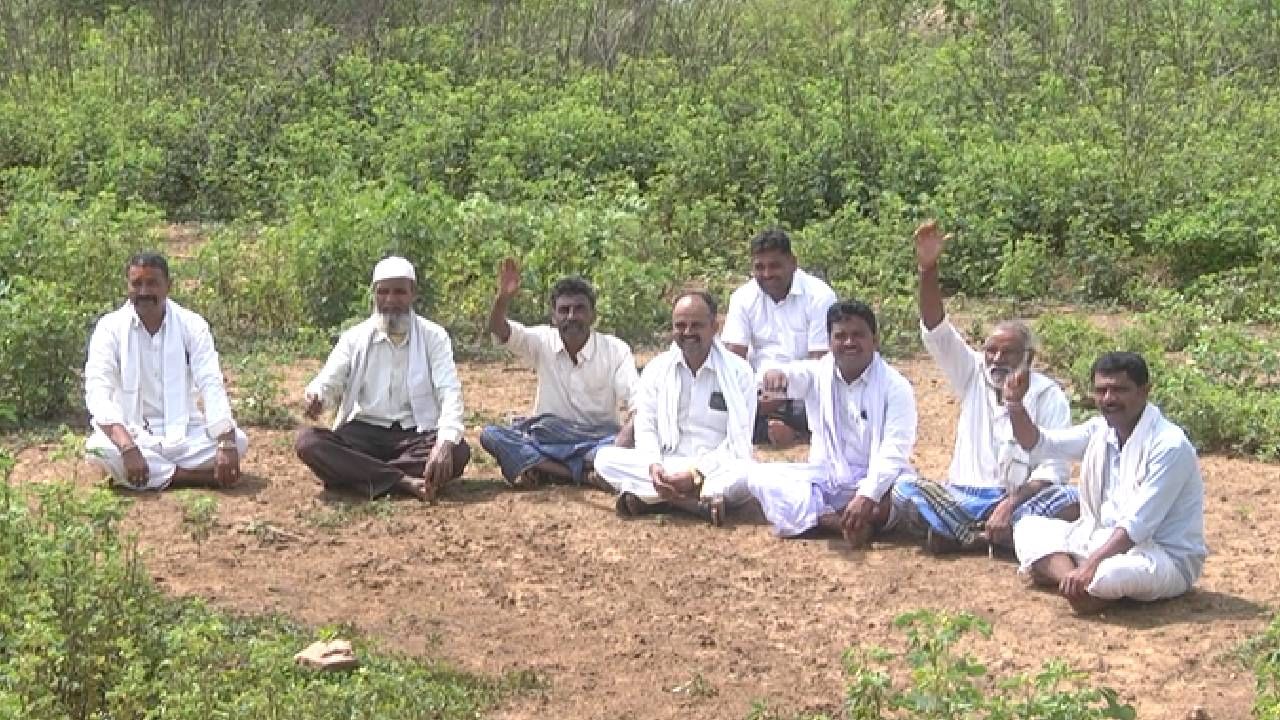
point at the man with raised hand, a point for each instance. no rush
(1140, 534)
(584, 378)
(991, 483)
(398, 422)
(695, 405)
(778, 317)
(863, 415)
(151, 366)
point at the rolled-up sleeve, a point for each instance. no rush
(1169, 469)
(102, 377)
(448, 388)
(952, 354)
(522, 343)
(625, 380)
(893, 456)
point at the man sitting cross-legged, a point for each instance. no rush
(863, 413)
(583, 378)
(694, 409)
(399, 402)
(1140, 534)
(991, 482)
(151, 366)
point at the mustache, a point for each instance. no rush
(145, 298)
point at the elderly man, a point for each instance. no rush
(150, 362)
(1140, 534)
(694, 409)
(583, 378)
(398, 422)
(864, 417)
(991, 483)
(778, 317)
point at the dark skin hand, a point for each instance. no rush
(857, 516)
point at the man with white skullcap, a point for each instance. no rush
(398, 400)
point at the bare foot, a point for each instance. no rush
(416, 487)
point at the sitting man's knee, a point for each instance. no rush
(306, 442)
(1040, 574)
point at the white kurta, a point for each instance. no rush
(141, 409)
(1158, 500)
(986, 454)
(710, 440)
(875, 426)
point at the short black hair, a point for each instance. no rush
(771, 239)
(148, 260)
(705, 296)
(851, 308)
(573, 285)
(1121, 361)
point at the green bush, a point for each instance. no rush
(87, 635)
(1266, 665)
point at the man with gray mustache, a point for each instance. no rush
(992, 482)
(398, 425)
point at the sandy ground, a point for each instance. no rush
(665, 617)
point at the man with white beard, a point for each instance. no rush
(992, 482)
(398, 422)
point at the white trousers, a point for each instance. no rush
(196, 451)
(627, 471)
(794, 495)
(1144, 573)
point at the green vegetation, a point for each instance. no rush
(87, 635)
(943, 684)
(1121, 155)
(1266, 660)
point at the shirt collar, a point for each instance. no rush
(797, 288)
(586, 353)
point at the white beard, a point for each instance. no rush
(393, 323)
(995, 375)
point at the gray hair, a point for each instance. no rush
(1019, 328)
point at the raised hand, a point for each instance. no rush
(508, 278)
(1017, 382)
(929, 244)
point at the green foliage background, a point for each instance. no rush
(1120, 153)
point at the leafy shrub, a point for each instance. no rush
(942, 683)
(87, 635)
(1266, 665)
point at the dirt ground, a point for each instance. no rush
(668, 618)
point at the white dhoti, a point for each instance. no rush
(1146, 572)
(627, 471)
(794, 495)
(196, 451)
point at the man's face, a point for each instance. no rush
(573, 316)
(394, 296)
(853, 345)
(148, 288)
(692, 327)
(772, 270)
(1003, 352)
(1119, 398)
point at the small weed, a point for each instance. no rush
(340, 514)
(199, 514)
(257, 395)
(697, 687)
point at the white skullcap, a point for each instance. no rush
(394, 267)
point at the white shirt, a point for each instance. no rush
(588, 392)
(984, 434)
(897, 439)
(1166, 506)
(779, 332)
(103, 376)
(383, 398)
(441, 396)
